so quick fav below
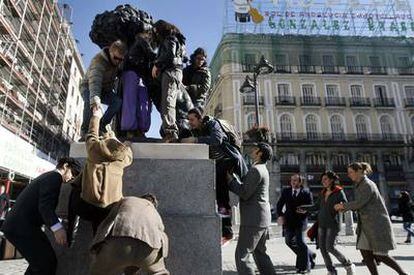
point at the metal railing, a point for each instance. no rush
(335, 101)
(307, 69)
(409, 102)
(384, 102)
(338, 137)
(330, 70)
(378, 70)
(310, 101)
(282, 69)
(354, 70)
(285, 100)
(250, 100)
(360, 102)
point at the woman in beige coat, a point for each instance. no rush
(374, 244)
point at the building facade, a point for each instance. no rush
(40, 71)
(329, 101)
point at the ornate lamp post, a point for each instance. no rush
(249, 85)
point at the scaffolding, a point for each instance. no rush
(34, 72)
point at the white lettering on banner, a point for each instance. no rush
(19, 156)
(326, 17)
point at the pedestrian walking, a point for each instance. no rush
(374, 232)
(405, 207)
(328, 222)
(295, 223)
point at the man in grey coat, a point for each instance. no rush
(255, 214)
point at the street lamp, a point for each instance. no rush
(249, 85)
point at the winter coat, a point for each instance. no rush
(327, 216)
(197, 81)
(104, 167)
(171, 53)
(140, 58)
(135, 218)
(373, 218)
(100, 77)
(220, 148)
(405, 207)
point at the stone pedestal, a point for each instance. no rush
(183, 179)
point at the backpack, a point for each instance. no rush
(231, 132)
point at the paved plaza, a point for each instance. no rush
(283, 258)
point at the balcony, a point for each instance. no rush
(310, 101)
(406, 70)
(289, 167)
(338, 138)
(307, 69)
(285, 101)
(377, 70)
(248, 68)
(282, 69)
(335, 101)
(384, 102)
(360, 102)
(354, 70)
(409, 102)
(250, 100)
(330, 70)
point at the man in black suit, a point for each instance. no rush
(295, 223)
(34, 208)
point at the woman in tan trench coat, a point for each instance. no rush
(375, 236)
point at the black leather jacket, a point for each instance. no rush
(171, 52)
(197, 81)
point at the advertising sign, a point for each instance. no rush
(20, 156)
(321, 17)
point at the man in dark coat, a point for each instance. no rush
(208, 130)
(197, 77)
(34, 208)
(295, 223)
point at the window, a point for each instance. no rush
(386, 127)
(403, 61)
(380, 92)
(352, 64)
(340, 159)
(250, 58)
(308, 94)
(305, 64)
(332, 91)
(311, 124)
(251, 121)
(361, 127)
(281, 63)
(315, 159)
(289, 159)
(409, 92)
(283, 90)
(337, 127)
(375, 61)
(328, 64)
(356, 92)
(412, 123)
(286, 126)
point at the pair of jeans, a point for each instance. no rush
(111, 99)
(294, 238)
(326, 241)
(407, 227)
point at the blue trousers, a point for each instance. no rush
(294, 238)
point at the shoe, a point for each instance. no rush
(312, 260)
(408, 241)
(225, 240)
(303, 271)
(224, 213)
(350, 269)
(332, 273)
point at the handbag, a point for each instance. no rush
(312, 232)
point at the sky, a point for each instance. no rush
(199, 20)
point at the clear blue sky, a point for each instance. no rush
(199, 20)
